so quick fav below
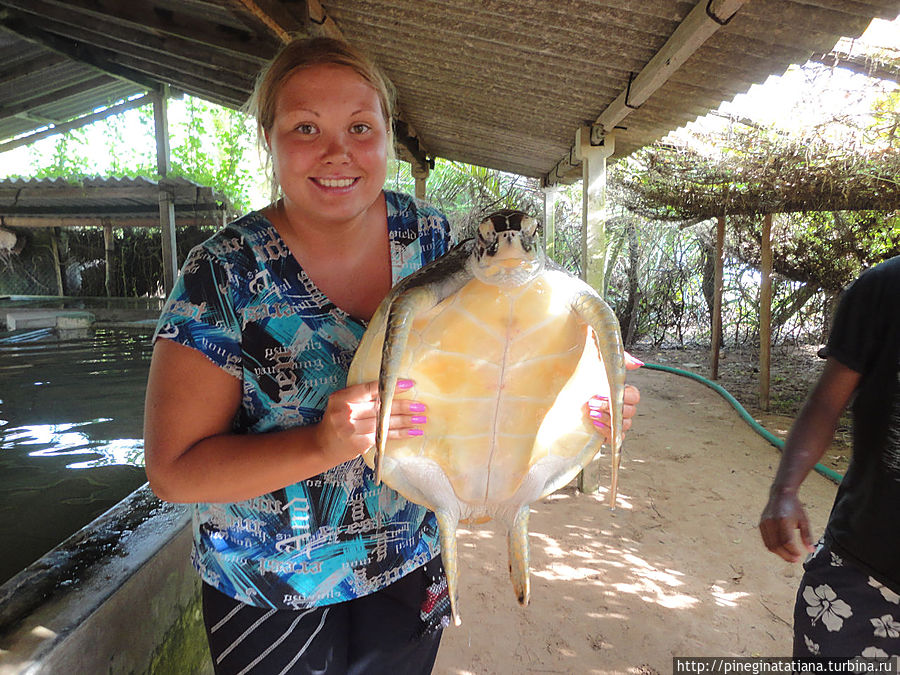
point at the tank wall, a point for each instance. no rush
(132, 609)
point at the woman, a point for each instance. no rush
(306, 564)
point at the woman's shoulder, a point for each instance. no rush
(237, 238)
(402, 204)
(413, 215)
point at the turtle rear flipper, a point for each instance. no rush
(520, 555)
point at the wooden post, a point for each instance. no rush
(718, 288)
(765, 312)
(594, 149)
(57, 263)
(550, 194)
(166, 199)
(420, 173)
(109, 245)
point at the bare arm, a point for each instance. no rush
(809, 438)
(192, 455)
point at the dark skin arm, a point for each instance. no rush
(809, 438)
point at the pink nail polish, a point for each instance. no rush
(416, 407)
(405, 384)
(595, 414)
(418, 419)
(415, 432)
(599, 424)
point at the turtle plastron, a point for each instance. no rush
(504, 353)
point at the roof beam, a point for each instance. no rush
(75, 123)
(145, 18)
(267, 17)
(206, 68)
(707, 17)
(16, 23)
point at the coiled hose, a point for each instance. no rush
(831, 474)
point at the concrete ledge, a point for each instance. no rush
(110, 599)
(24, 319)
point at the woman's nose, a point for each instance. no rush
(336, 148)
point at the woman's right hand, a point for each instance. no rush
(347, 428)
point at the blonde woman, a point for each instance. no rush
(307, 566)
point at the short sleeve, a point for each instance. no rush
(434, 231)
(856, 336)
(200, 313)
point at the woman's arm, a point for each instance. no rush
(192, 455)
(809, 438)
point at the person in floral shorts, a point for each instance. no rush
(848, 603)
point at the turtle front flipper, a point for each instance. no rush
(594, 311)
(403, 309)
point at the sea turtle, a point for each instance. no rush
(503, 348)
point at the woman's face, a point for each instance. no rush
(329, 144)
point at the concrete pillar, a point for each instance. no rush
(550, 195)
(166, 198)
(594, 147)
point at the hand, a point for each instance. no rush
(782, 516)
(598, 406)
(347, 428)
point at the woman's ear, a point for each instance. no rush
(266, 136)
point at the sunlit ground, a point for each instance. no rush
(677, 569)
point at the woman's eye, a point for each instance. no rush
(306, 128)
(360, 128)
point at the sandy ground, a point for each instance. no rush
(678, 569)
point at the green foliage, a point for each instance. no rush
(215, 144)
(466, 193)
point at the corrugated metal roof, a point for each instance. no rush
(498, 83)
(91, 198)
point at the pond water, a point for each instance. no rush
(71, 415)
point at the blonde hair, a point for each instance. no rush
(304, 53)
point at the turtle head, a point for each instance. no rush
(506, 250)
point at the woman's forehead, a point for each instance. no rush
(313, 87)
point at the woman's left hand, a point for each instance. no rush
(598, 406)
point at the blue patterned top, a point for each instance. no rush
(243, 301)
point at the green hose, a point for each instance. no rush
(756, 426)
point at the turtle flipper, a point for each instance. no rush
(413, 295)
(608, 337)
(519, 555)
(403, 309)
(447, 523)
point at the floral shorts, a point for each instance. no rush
(842, 611)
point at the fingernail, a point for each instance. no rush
(418, 419)
(414, 432)
(405, 384)
(595, 414)
(600, 425)
(416, 407)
